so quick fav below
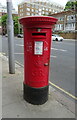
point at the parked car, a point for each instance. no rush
(6, 35)
(56, 37)
(20, 35)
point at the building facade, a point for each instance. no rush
(67, 21)
(34, 8)
(72, 0)
(3, 11)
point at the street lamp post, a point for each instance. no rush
(18, 27)
(10, 31)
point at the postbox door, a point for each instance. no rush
(37, 58)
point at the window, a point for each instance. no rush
(33, 5)
(21, 14)
(27, 13)
(59, 27)
(32, 14)
(71, 17)
(32, 10)
(46, 13)
(51, 5)
(39, 13)
(42, 3)
(21, 10)
(36, 11)
(42, 12)
(36, 14)
(28, 5)
(46, 9)
(21, 6)
(70, 26)
(28, 9)
(36, 6)
(61, 18)
(73, 24)
(39, 9)
(49, 9)
(0, 10)
(53, 10)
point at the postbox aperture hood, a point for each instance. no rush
(41, 21)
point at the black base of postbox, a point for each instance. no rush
(36, 96)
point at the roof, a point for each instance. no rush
(63, 12)
(36, 2)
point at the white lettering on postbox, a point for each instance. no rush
(38, 48)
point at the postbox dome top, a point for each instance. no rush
(37, 20)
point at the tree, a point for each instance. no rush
(16, 25)
(4, 19)
(71, 5)
(4, 24)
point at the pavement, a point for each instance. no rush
(14, 106)
(71, 39)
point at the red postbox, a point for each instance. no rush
(37, 44)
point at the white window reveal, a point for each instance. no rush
(27, 13)
(42, 12)
(28, 9)
(59, 27)
(32, 14)
(32, 10)
(49, 9)
(38, 48)
(70, 26)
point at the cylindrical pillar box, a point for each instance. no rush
(37, 44)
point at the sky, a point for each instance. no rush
(16, 2)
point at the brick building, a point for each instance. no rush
(67, 24)
(31, 8)
(0, 23)
(67, 21)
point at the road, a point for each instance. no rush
(62, 67)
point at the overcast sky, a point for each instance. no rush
(16, 2)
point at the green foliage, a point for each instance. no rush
(0, 22)
(71, 5)
(15, 21)
(4, 20)
(44, 15)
